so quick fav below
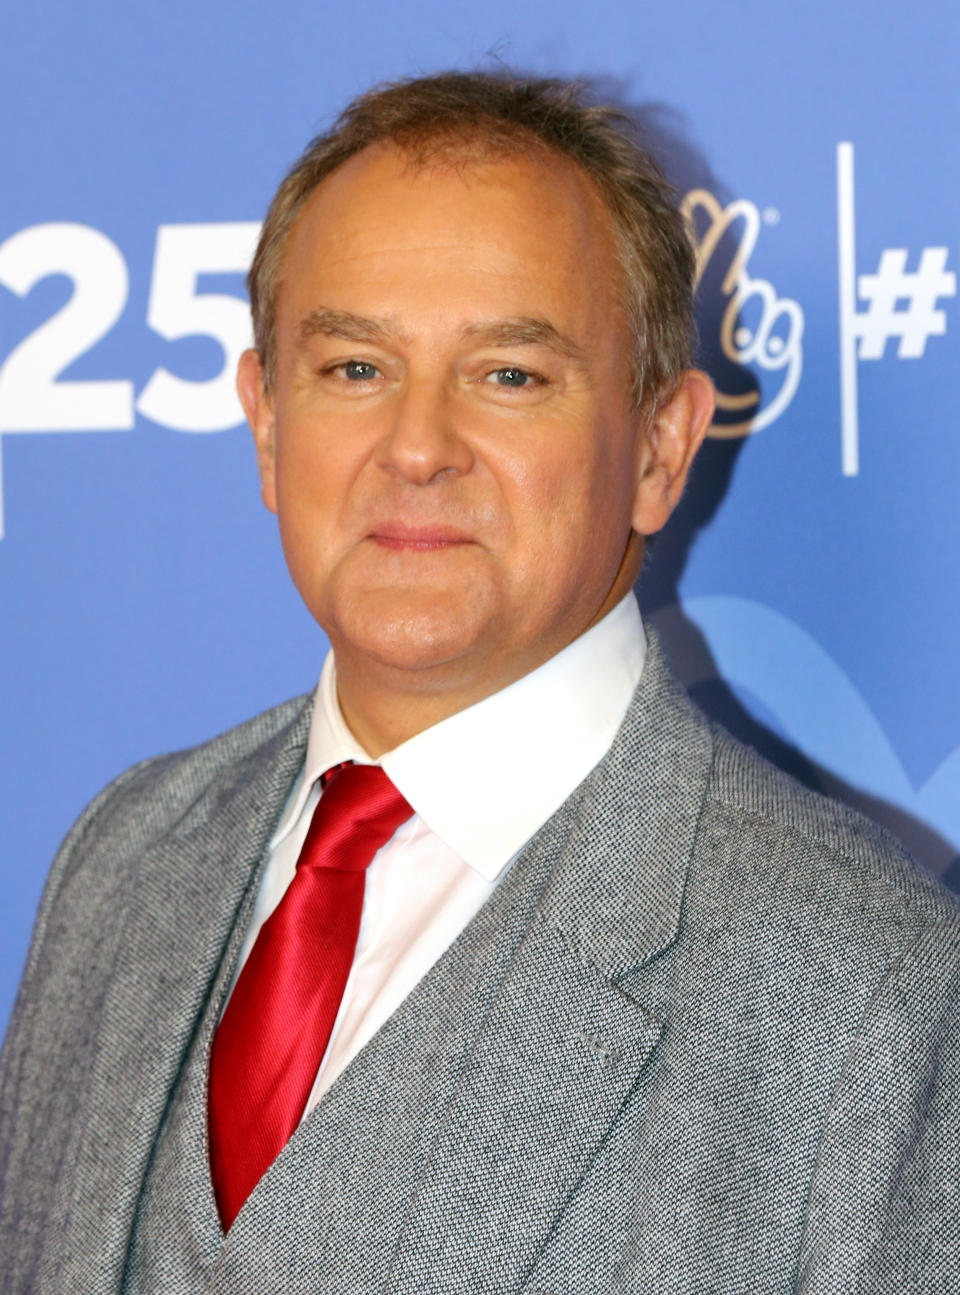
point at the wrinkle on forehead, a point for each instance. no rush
(565, 188)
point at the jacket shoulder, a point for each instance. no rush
(149, 799)
(159, 789)
(829, 840)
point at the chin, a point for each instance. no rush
(411, 633)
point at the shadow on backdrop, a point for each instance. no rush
(709, 482)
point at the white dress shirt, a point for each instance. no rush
(481, 783)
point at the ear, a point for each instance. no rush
(258, 408)
(671, 438)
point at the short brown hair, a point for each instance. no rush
(496, 112)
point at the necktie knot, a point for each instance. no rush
(358, 812)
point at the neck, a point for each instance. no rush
(381, 717)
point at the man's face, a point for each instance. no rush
(449, 443)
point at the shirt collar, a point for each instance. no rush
(487, 778)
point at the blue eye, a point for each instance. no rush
(358, 371)
(512, 377)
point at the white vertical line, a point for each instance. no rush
(1, 487)
(849, 430)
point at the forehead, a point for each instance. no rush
(456, 232)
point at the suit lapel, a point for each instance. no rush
(184, 896)
(563, 1044)
(618, 899)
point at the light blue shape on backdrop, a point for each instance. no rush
(817, 708)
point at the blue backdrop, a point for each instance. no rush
(806, 587)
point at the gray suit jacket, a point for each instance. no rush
(702, 1038)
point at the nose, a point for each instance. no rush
(423, 442)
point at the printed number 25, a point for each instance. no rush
(32, 399)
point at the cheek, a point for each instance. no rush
(569, 525)
(581, 494)
(306, 499)
(313, 472)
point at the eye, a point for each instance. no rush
(511, 376)
(358, 370)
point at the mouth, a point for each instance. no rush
(396, 535)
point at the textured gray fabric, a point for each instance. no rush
(703, 1037)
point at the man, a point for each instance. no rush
(493, 967)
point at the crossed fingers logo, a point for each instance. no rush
(758, 332)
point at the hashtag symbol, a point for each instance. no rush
(899, 303)
(918, 318)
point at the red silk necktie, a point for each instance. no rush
(274, 1032)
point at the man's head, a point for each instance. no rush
(454, 425)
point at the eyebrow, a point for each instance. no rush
(525, 330)
(324, 322)
(519, 330)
